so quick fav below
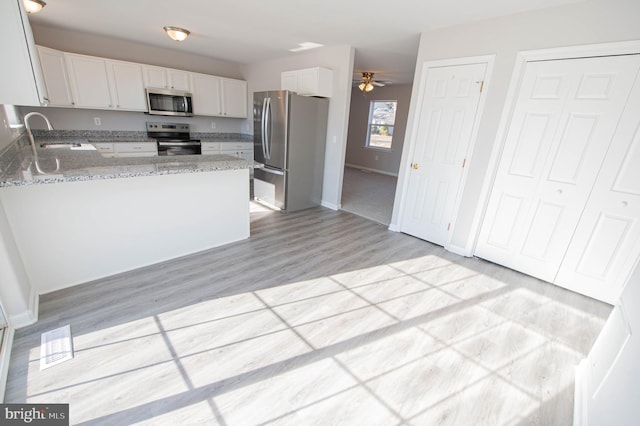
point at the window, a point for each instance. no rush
(382, 117)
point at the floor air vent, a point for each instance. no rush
(55, 347)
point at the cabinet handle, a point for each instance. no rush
(415, 166)
(559, 191)
(624, 204)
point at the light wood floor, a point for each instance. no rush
(321, 317)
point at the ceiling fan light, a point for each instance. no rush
(361, 86)
(368, 87)
(33, 6)
(176, 33)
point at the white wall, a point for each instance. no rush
(589, 22)
(357, 153)
(266, 76)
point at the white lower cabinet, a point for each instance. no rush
(127, 149)
(210, 148)
(242, 150)
(105, 149)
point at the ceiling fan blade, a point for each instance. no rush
(378, 83)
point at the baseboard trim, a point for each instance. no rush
(394, 227)
(29, 317)
(382, 172)
(581, 398)
(462, 251)
(331, 206)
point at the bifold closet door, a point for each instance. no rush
(606, 243)
(565, 116)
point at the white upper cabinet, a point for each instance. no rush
(234, 98)
(127, 86)
(308, 82)
(54, 70)
(179, 80)
(206, 94)
(89, 81)
(217, 96)
(155, 77)
(166, 78)
(22, 82)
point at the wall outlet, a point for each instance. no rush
(213, 124)
(97, 121)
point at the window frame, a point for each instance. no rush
(367, 142)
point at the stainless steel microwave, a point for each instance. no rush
(169, 102)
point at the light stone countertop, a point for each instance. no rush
(20, 166)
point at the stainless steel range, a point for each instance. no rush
(173, 138)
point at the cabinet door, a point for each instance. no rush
(154, 77)
(135, 149)
(89, 81)
(179, 80)
(127, 86)
(206, 95)
(234, 95)
(21, 82)
(54, 70)
(308, 81)
(289, 81)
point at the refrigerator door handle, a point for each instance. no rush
(272, 171)
(269, 139)
(264, 128)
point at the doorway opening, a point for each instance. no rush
(377, 124)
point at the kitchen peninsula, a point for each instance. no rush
(77, 216)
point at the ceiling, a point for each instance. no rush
(385, 34)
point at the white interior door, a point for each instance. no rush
(606, 243)
(447, 116)
(565, 116)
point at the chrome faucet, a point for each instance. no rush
(26, 125)
(33, 143)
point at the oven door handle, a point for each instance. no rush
(178, 143)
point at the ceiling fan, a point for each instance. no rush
(368, 83)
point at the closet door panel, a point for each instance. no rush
(606, 243)
(564, 119)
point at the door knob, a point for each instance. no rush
(415, 166)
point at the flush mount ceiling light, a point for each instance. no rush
(307, 45)
(34, 6)
(178, 34)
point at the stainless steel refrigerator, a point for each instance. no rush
(289, 138)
